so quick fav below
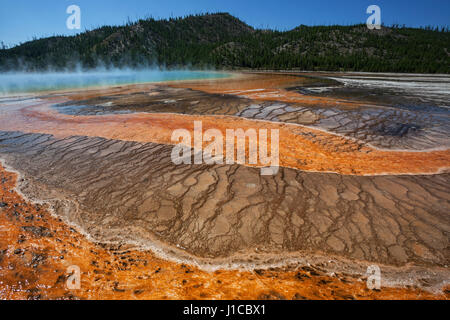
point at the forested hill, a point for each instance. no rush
(223, 41)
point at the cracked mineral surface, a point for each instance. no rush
(364, 175)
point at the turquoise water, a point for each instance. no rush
(35, 82)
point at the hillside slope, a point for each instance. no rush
(223, 41)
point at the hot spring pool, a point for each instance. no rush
(35, 82)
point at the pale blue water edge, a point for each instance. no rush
(35, 82)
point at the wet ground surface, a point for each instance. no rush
(102, 161)
(383, 117)
(38, 248)
(125, 191)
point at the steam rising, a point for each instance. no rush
(23, 82)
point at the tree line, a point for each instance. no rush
(222, 41)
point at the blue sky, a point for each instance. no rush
(21, 20)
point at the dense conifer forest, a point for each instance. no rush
(222, 41)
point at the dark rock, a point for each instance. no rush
(61, 279)
(38, 231)
(324, 282)
(259, 272)
(38, 259)
(21, 239)
(117, 289)
(302, 276)
(297, 296)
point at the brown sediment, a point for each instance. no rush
(36, 249)
(266, 87)
(300, 147)
(394, 122)
(124, 189)
(128, 192)
(257, 87)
